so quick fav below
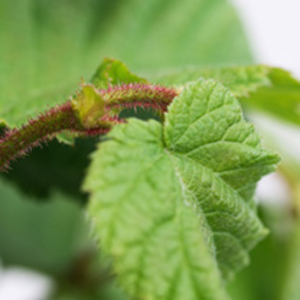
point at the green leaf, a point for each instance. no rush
(114, 72)
(263, 88)
(240, 80)
(281, 98)
(46, 49)
(89, 105)
(173, 204)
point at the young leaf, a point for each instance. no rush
(173, 204)
(271, 90)
(114, 72)
(110, 72)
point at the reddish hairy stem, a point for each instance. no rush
(138, 95)
(19, 141)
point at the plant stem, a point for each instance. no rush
(18, 142)
(138, 95)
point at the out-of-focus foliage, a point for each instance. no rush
(45, 236)
(47, 46)
(262, 88)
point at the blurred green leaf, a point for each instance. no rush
(47, 46)
(263, 88)
(281, 98)
(240, 80)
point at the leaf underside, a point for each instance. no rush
(172, 203)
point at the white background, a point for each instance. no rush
(274, 30)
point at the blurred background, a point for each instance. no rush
(45, 48)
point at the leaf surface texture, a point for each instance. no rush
(172, 203)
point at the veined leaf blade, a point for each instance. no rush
(174, 226)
